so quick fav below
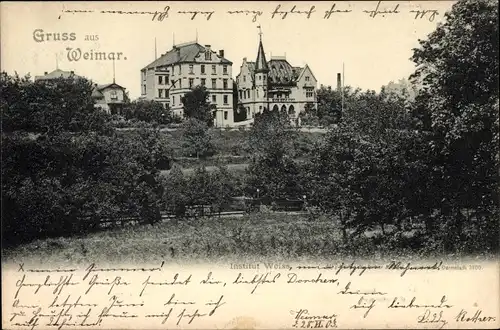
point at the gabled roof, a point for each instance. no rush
(104, 86)
(181, 53)
(98, 89)
(304, 70)
(57, 74)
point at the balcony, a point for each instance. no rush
(281, 100)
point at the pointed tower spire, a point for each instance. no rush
(261, 63)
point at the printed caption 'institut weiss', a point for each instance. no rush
(274, 85)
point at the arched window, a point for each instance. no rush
(283, 108)
(291, 111)
(275, 108)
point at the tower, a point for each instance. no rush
(261, 77)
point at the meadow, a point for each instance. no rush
(261, 236)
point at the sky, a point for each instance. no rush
(373, 49)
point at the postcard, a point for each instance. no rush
(250, 165)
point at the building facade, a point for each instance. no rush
(275, 85)
(175, 73)
(109, 97)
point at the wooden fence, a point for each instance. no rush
(237, 207)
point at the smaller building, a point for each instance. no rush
(110, 97)
(57, 74)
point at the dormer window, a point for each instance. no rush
(208, 55)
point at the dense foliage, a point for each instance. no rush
(197, 106)
(148, 111)
(64, 170)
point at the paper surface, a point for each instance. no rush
(97, 294)
(423, 295)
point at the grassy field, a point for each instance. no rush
(251, 237)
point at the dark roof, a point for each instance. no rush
(104, 86)
(261, 63)
(57, 74)
(181, 53)
(281, 72)
(97, 90)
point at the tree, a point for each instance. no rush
(273, 170)
(175, 197)
(223, 188)
(197, 138)
(64, 169)
(197, 106)
(49, 107)
(457, 103)
(148, 111)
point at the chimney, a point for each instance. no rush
(45, 73)
(339, 82)
(221, 53)
(72, 72)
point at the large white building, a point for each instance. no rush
(275, 85)
(185, 66)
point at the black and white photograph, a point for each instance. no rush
(250, 165)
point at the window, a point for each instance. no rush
(309, 94)
(203, 69)
(114, 95)
(225, 115)
(143, 89)
(260, 107)
(160, 93)
(180, 69)
(191, 82)
(214, 83)
(208, 54)
(225, 99)
(224, 83)
(257, 91)
(180, 99)
(214, 98)
(244, 78)
(203, 81)
(258, 76)
(240, 94)
(167, 93)
(224, 69)
(191, 69)
(248, 93)
(166, 79)
(214, 69)
(173, 99)
(307, 78)
(160, 80)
